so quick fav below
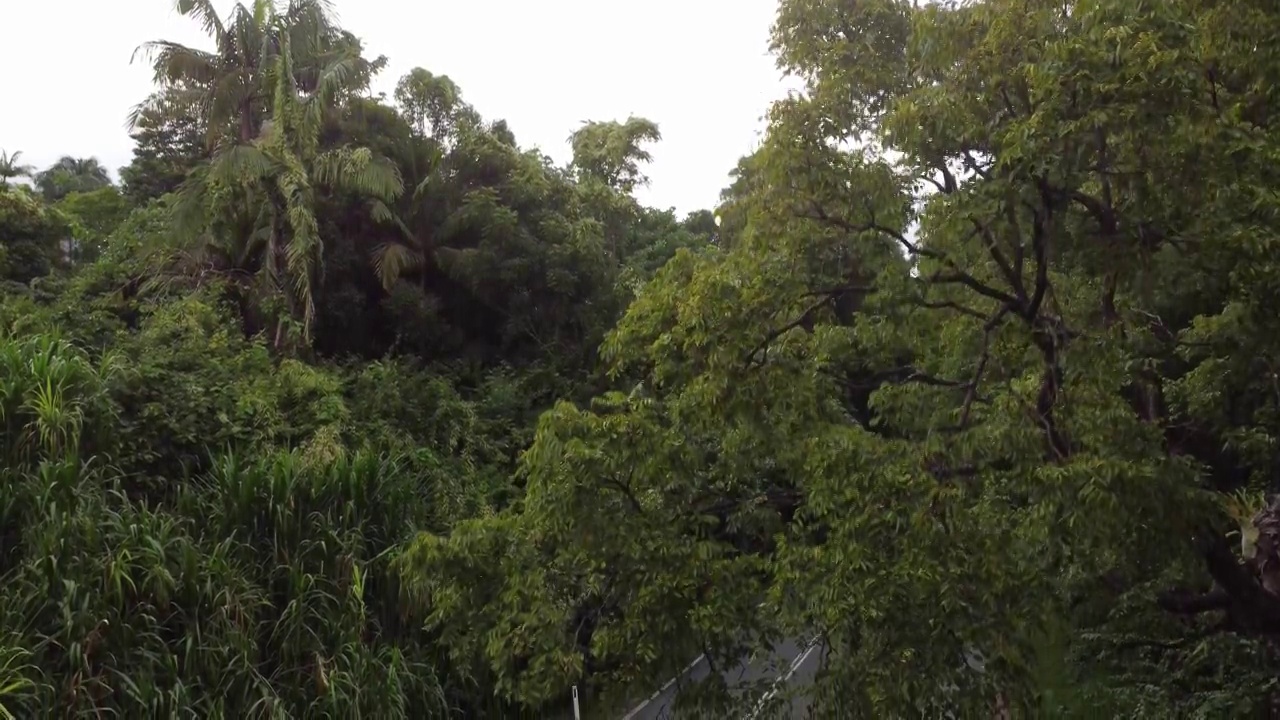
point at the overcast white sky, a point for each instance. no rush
(699, 68)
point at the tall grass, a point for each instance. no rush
(262, 589)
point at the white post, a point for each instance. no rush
(576, 715)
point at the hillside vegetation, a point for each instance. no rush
(341, 405)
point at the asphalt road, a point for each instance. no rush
(791, 666)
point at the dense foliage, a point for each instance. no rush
(345, 407)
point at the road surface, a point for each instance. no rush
(791, 665)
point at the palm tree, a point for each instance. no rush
(229, 83)
(9, 168)
(392, 260)
(71, 174)
(440, 119)
(266, 189)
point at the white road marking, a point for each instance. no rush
(664, 688)
(777, 684)
(670, 682)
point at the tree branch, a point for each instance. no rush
(972, 393)
(957, 274)
(1184, 602)
(805, 317)
(948, 305)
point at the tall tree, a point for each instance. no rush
(433, 107)
(431, 103)
(253, 208)
(964, 399)
(229, 84)
(168, 136)
(10, 168)
(608, 157)
(612, 152)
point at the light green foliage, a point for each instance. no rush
(966, 383)
(200, 385)
(122, 606)
(30, 236)
(51, 401)
(612, 152)
(96, 215)
(259, 588)
(431, 104)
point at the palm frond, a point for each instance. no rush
(262, 11)
(10, 167)
(392, 260)
(380, 212)
(284, 97)
(310, 23)
(187, 216)
(336, 75)
(358, 170)
(147, 107)
(239, 163)
(434, 169)
(302, 253)
(259, 241)
(174, 62)
(203, 12)
(225, 96)
(324, 8)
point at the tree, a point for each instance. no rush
(957, 400)
(230, 83)
(432, 106)
(71, 174)
(612, 152)
(95, 216)
(169, 142)
(10, 168)
(429, 102)
(32, 236)
(607, 159)
(253, 208)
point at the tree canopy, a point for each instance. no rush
(341, 406)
